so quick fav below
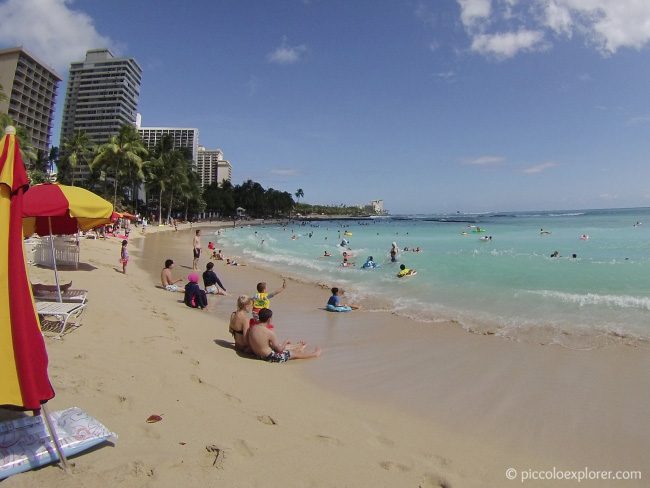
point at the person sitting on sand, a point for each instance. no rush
(211, 281)
(218, 256)
(334, 303)
(166, 279)
(262, 299)
(239, 323)
(194, 296)
(264, 343)
(404, 271)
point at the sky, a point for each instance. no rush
(430, 105)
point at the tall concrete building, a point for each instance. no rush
(102, 96)
(211, 167)
(182, 137)
(30, 86)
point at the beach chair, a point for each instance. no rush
(63, 311)
(68, 296)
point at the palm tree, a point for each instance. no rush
(299, 194)
(126, 148)
(176, 176)
(27, 150)
(77, 148)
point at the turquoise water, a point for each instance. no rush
(509, 286)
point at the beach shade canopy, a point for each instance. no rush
(68, 209)
(24, 382)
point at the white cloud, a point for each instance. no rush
(558, 18)
(538, 168)
(284, 172)
(446, 75)
(608, 24)
(474, 11)
(433, 46)
(485, 161)
(504, 28)
(504, 45)
(50, 29)
(285, 54)
(640, 120)
(608, 196)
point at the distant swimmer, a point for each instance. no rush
(404, 271)
(370, 263)
(555, 254)
(584, 237)
(393, 252)
(637, 224)
(344, 243)
(544, 232)
(326, 254)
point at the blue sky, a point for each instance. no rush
(431, 105)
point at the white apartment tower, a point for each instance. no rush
(182, 137)
(30, 86)
(102, 96)
(211, 167)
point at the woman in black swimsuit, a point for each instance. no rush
(239, 323)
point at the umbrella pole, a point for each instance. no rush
(56, 273)
(55, 439)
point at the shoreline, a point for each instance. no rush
(490, 403)
(482, 373)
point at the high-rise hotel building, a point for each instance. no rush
(102, 96)
(30, 86)
(182, 137)
(211, 167)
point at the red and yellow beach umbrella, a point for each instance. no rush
(24, 382)
(56, 209)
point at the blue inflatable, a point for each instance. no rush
(332, 308)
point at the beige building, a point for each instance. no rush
(30, 86)
(211, 166)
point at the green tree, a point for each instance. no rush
(299, 194)
(120, 155)
(77, 148)
(27, 151)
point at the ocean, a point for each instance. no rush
(508, 285)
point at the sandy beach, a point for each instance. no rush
(390, 402)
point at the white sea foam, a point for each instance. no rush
(618, 301)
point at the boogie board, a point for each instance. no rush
(25, 443)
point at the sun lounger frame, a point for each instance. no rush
(64, 311)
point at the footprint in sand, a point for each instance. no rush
(177, 351)
(267, 419)
(243, 448)
(325, 439)
(80, 356)
(393, 466)
(140, 470)
(216, 454)
(195, 362)
(433, 481)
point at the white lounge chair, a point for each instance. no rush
(64, 311)
(68, 296)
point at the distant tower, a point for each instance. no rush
(211, 167)
(182, 137)
(30, 86)
(102, 96)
